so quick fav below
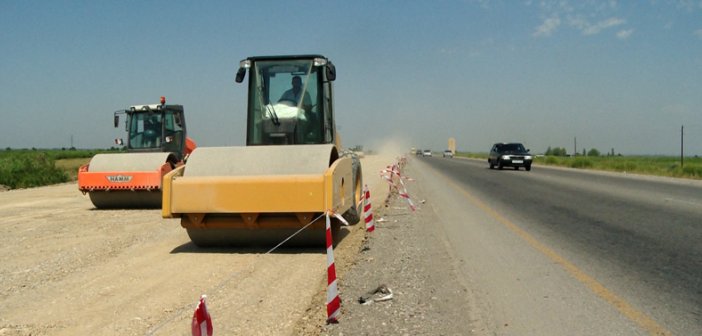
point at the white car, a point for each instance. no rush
(448, 154)
(426, 152)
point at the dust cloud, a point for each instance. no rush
(391, 146)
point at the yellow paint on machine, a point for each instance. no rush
(167, 193)
(297, 193)
(287, 193)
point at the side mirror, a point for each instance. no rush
(528, 150)
(240, 75)
(116, 121)
(331, 71)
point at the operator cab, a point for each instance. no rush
(155, 128)
(290, 100)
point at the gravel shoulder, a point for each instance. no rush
(410, 256)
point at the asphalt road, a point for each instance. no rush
(556, 251)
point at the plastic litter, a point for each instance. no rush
(379, 294)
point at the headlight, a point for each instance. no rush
(505, 157)
(319, 61)
(528, 157)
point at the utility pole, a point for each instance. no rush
(682, 142)
(575, 146)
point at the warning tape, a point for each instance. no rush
(395, 170)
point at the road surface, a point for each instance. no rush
(565, 252)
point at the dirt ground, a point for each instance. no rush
(68, 269)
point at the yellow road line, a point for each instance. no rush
(638, 317)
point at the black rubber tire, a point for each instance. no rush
(528, 168)
(353, 214)
(500, 165)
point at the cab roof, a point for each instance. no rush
(154, 107)
(285, 57)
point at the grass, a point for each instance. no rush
(70, 166)
(26, 168)
(29, 170)
(646, 165)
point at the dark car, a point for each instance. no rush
(509, 155)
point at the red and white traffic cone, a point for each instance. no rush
(333, 300)
(202, 322)
(368, 211)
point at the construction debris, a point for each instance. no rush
(379, 294)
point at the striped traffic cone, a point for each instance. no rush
(333, 300)
(368, 211)
(202, 321)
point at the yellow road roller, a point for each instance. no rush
(291, 171)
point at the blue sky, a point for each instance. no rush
(613, 74)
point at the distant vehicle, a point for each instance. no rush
(509, 155)
(419, 152)
(426, 152)
(413, 151)
(448, 154)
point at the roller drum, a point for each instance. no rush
(127, 162)
(144, 163)
(120, 199)
(260, 160)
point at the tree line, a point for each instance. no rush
(561, 151)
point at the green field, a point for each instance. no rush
(25, 168)
(646, 165)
